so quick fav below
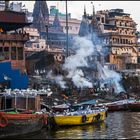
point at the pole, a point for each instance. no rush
(15, 101)
(67, 51)
(5, 102)
(27, 101)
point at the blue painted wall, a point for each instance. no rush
(17, 80)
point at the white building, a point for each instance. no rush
(34, 43)
(73, 24)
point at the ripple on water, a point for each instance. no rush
(118, 125)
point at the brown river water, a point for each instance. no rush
(118, 125)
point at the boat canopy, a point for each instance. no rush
(90, 102)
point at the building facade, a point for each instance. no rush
(117, 30)
(12, 41)
(35, 43)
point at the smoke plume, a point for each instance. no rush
(74, 62)
(87, 49)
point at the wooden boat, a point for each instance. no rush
(121, 105)
(134, 106)
(80, 117)
(117, 107)
(19, 123)
(20, 114)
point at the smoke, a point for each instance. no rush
(57, 79)
(88, 51)
(74, 62)
(79, 79)
(110, 77)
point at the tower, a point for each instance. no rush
(84, 26)
(41, 17)
(56, 22)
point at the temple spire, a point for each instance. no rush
(93, 11)
(85, 11)
(84, 26)
(56, 22)
(40, 15)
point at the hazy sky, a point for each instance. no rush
(76, 7)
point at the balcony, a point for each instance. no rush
(122, 45)
(14, 37)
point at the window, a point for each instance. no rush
(1, 49)
(120, 24)
(13, 53)
(1, 53)
(98, 18)
(6, 53)
(37, 45)
(138, 59)
(121, 41)
(126, 41)
(103, 20)
(20, 53)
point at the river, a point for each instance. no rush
(118, 125)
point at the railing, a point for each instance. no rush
(121, 45)
(14, 37)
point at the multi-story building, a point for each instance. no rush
(56, 36)
(73, 24)
(118, 32)
(12, 54)
(11, 41)
(35, 43)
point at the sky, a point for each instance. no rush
(76, 8)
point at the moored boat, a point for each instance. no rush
(80, 117)
(121, 105)
(19, 123)
(20, 113)
(134, 106)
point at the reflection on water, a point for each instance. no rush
(79, 132)
(118, 125)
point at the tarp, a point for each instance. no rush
(90, 102)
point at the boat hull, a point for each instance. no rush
(134, 106)
(79, 120)
(18, 124)
(122, 107)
